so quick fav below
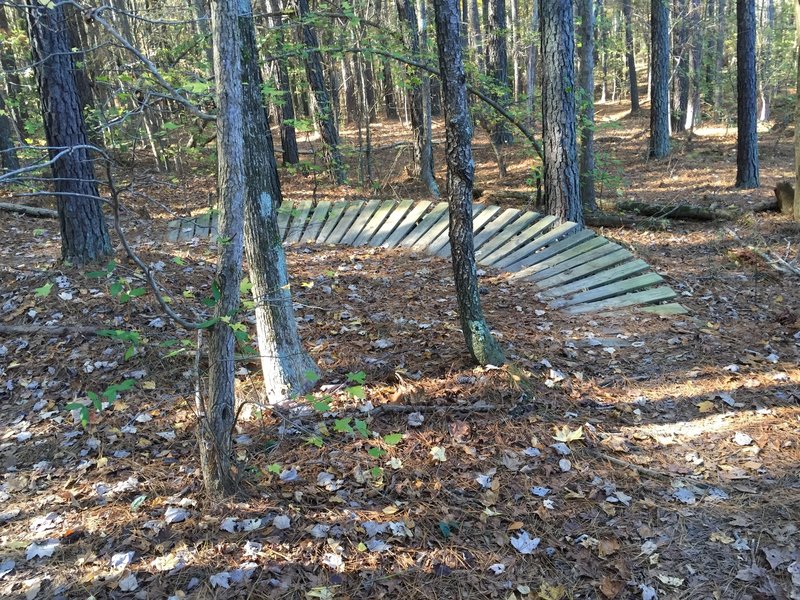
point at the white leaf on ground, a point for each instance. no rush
(648, 592)
(334, 561)
(143, 418)
(565, 465)
(251, 549)
(377, 546)
(6, 567)
(497, 568)
(242, 574)
(320, 530)
(222, 580)
(670, 580)
(251, 524)
(561, 448)
(532, 452)
(121, 560)
(33, 586)
(540, 491)
(229, 524)
(485, 479)
(415, 419)
(684, 495)
(128, 583)
(43, 550)
(382, 344)
(524, 543)
(649, 547)
(175, 515)
(167, 435)
(438, 454)
(282, 522)
(373, 528)
(742, 439)
(288, 474)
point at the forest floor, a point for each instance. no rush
(627, 456)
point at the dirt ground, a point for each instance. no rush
(618, 456)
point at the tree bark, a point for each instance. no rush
(420, 107)
(797, 114)
(561, 183)
(695, 65)
(659, 67)
(681, 78)
(285, 107)
(720, 55)
(324, 112)
(13, 84)
(765, 87)
(84, 235)
(218, 416)
(497, 66)
(746, 91)
(586, 119)
(460, 179)
(533, 53)
(630, 59)
(284, 362)
(8, 152)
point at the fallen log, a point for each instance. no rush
(675, 211)
(30, 211)
(604, 219)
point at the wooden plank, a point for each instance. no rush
(409, 221)
(202, 226)
(173, 228)
(393, 220)
(493, 228)
(586, 269)
(284, 214)
(187, 229)
(623, 271)
(559, 247)
(650, 296)
(299, 218)
(439, 234)
(610, 290)
(214, 224)
(375, 222)
(514, 242)
(663, 310)
(360, 222)
(518, 256)
(334, 214)
(315, 222)
(559, 259)
(478, 223)
(436, 215)
(350, 215)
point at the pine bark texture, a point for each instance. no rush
(747, 96)
(586, 84)
(84, 235)
(215, 426)
(533, 55)
(284, 362)
(316, 81)
(460, 179)
(286, 115)
(659, 86)
(720, 55)
(561, 182)
(695, 64)
(797, 116)
(497, 65)
(627, 12)
(419, 100)
(681, 55)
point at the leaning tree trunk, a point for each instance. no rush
(561, 183)
(84, 235)
(284, 362)
(419, 101)
(630, 59)
(316, 81)
(746, 92)
(659, 86)
(460, 178)
(497, 66)
(218, 416)
(286, 116)
(586, 84)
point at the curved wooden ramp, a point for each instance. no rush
(574, 269)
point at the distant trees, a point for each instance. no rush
(630, 59)
(586, 103)
(460, 178)
(660, 73)
(561, 184)
(84, 234)
(747, 96)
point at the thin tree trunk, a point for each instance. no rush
(460, 179)
(797, 115)
(586, 120)
(765, 88)
(324, 112)
(659, 67)
(497, 66)
(561, 182)
(13, 84)
(286, 115)
(695, 65)
(746, 91)
(681, 79)
(630, 59)
(533, 53)
(720, 56)
(389, 99)
(515, 50)
(204, 31)
(475, 30)
(84, 235)
(284, 362)
(603, 50)
(8, 154)
(218, 415)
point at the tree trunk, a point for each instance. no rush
(475, 31)
(286, 115)
(516, 68)
(8, 153)
(797, 114)
(586, 119)
(561, 183)
(284, 362)
(602, 27)
(533, 53)
(659, 67)
(419, 100)
(316, 81)
(389, 100)
(765, 86)
(630, 59)
(84, 235)
(695, 65)
(13, 84)
(681, 79)
(746, 92)
(204, 31)
(720, 56)
(460, 178)
(217, 417)
(497, 66)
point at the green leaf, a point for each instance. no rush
(136, 292)
(129, 352)
(209, 323)
(361, 427)
(178, 260)
(343, 425)
(95, 400)
(137, 502)
(359, 377)
(115, 289)
(392, 439)
(376, 472)
(245, 286)
(44, 290)
(275, 468)
(323, 405)
(376, 452)
(96, 274)
(315, 440)
(311, 376)
(84, 412)
(357, 391)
